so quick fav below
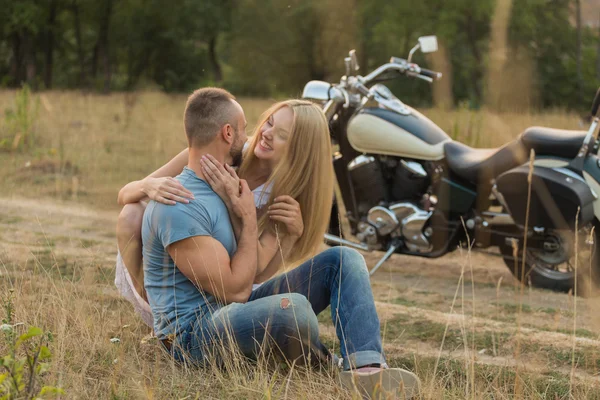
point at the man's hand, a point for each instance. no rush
(242, 203)
(285, 209)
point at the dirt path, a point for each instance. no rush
(416, 297)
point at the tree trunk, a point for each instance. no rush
(214, 60)
(442, 90)
(16, 60)
(578, 47)
(95, 62)
(103, 56)
(50, 45)
(598, 52)
(477, 70)
(80, 56)
(29, 59)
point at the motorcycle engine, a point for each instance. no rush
(405, 217)
(367, 181)
(409, 180)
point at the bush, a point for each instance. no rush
(27, 360)
(19, 132)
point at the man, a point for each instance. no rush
(199, 280)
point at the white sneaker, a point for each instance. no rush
(378, 383)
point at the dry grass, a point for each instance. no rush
(58, 256)
(89, 146)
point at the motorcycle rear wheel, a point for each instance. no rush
(555, 267)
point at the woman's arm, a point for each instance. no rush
(159, 185)
(285, 210)
(283, 247)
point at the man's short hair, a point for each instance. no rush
(206, 111)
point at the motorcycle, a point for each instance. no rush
(408, 188)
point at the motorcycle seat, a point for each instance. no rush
(481, 165)
(553, 142)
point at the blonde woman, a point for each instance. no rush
(287, 164)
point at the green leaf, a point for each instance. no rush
(42, 368)
(44, 353)
(18, 365)
(32, 332)
(7, 361)
(51, 391)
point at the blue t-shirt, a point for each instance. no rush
(175, 301)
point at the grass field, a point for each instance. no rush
(88, 146)
(460, 322)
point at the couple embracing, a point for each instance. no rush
(212, 246)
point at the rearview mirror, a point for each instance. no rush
(354, 61)
(428, 44)
(596, 104)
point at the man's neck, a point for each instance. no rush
(196, 155)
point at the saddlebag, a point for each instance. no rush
(556, 197)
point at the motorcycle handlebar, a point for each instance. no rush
(430, 74)
(414, 68)
(362, 89)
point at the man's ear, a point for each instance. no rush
(227, 133)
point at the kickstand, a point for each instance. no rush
(395, 244)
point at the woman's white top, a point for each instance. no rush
(126, 289)
(123, 280)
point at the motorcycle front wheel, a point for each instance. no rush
(563, 257)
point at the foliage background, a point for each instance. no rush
(272, 47)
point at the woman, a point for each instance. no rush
(287, 165)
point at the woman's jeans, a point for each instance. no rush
(280, 317)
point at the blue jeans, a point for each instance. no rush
(280, 316)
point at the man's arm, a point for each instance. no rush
(205, 262)
(267, 245)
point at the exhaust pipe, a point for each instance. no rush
(339, 241)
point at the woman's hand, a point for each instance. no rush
(285, 209)
(166, 190)
(222, 179)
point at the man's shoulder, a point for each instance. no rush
(172, 223)
(180, 210)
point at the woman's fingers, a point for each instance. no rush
(207, 163)
(283, 213)
(283, 206)
(286, 199)
(173, 197)
(179, 189)
(209, 175)
(285, 220)
(175, 190)
(231, 171)
(181, 193)
(215, 163)
(163, 200)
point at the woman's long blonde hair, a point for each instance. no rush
(305, 172)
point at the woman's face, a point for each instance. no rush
(274, 135)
